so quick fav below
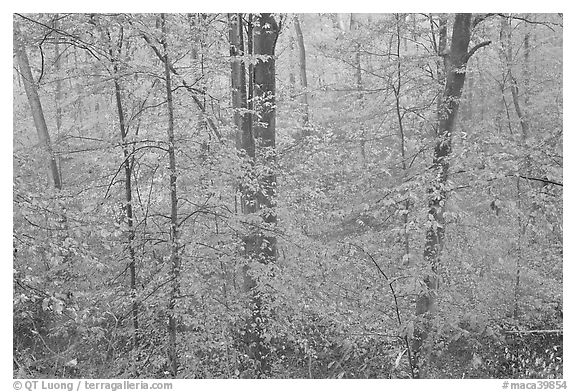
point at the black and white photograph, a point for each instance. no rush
(307, 195)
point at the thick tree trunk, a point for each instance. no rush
(35, 104)
(174, 240)
(262, 247)
(244, 138)
(455, 71)
(303, 76)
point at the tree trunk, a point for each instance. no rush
(455, 71)
(127, 189)
(303, 76)
(244, 139)
(174, 243)
(35, 105)
(397, 88)
(507, 55)
(58, 96)
(263, 246)
(358, 79)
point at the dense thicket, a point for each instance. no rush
(311, 196)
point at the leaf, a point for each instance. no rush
(398, 358)
(72, 362)
(58, 307)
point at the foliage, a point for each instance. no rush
(352, 191)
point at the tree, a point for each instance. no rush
(303, 76)
(455, 70)
(115, 53)
(174, 234)
(263, 244)
(200, 234)
(35, 104)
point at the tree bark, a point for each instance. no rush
(262, 247)
(174, 240)
(455, 71)
(244, 138)
(31, 89)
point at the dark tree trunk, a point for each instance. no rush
(263, 243)
(455, 72)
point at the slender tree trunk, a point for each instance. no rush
(358, 79)
(455, 72)
(174, 240)
(128, 205)
(397, 88)
(303, 76)
(59, 94)
(57, 67)
(507, 54)
(31, 89)
(250, 48)
(114, 50)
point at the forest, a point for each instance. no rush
(314, 195)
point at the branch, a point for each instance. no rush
(474, 49)
(544, 331)
(479, 18)
(191, 89)
(544, 180)
(546, 24)
(390, 284)
(77, 42)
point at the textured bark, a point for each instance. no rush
(455, 71)
(31, 89)
(303, 76)
(174, 245)
(253, 101)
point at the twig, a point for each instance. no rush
(390, 284)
